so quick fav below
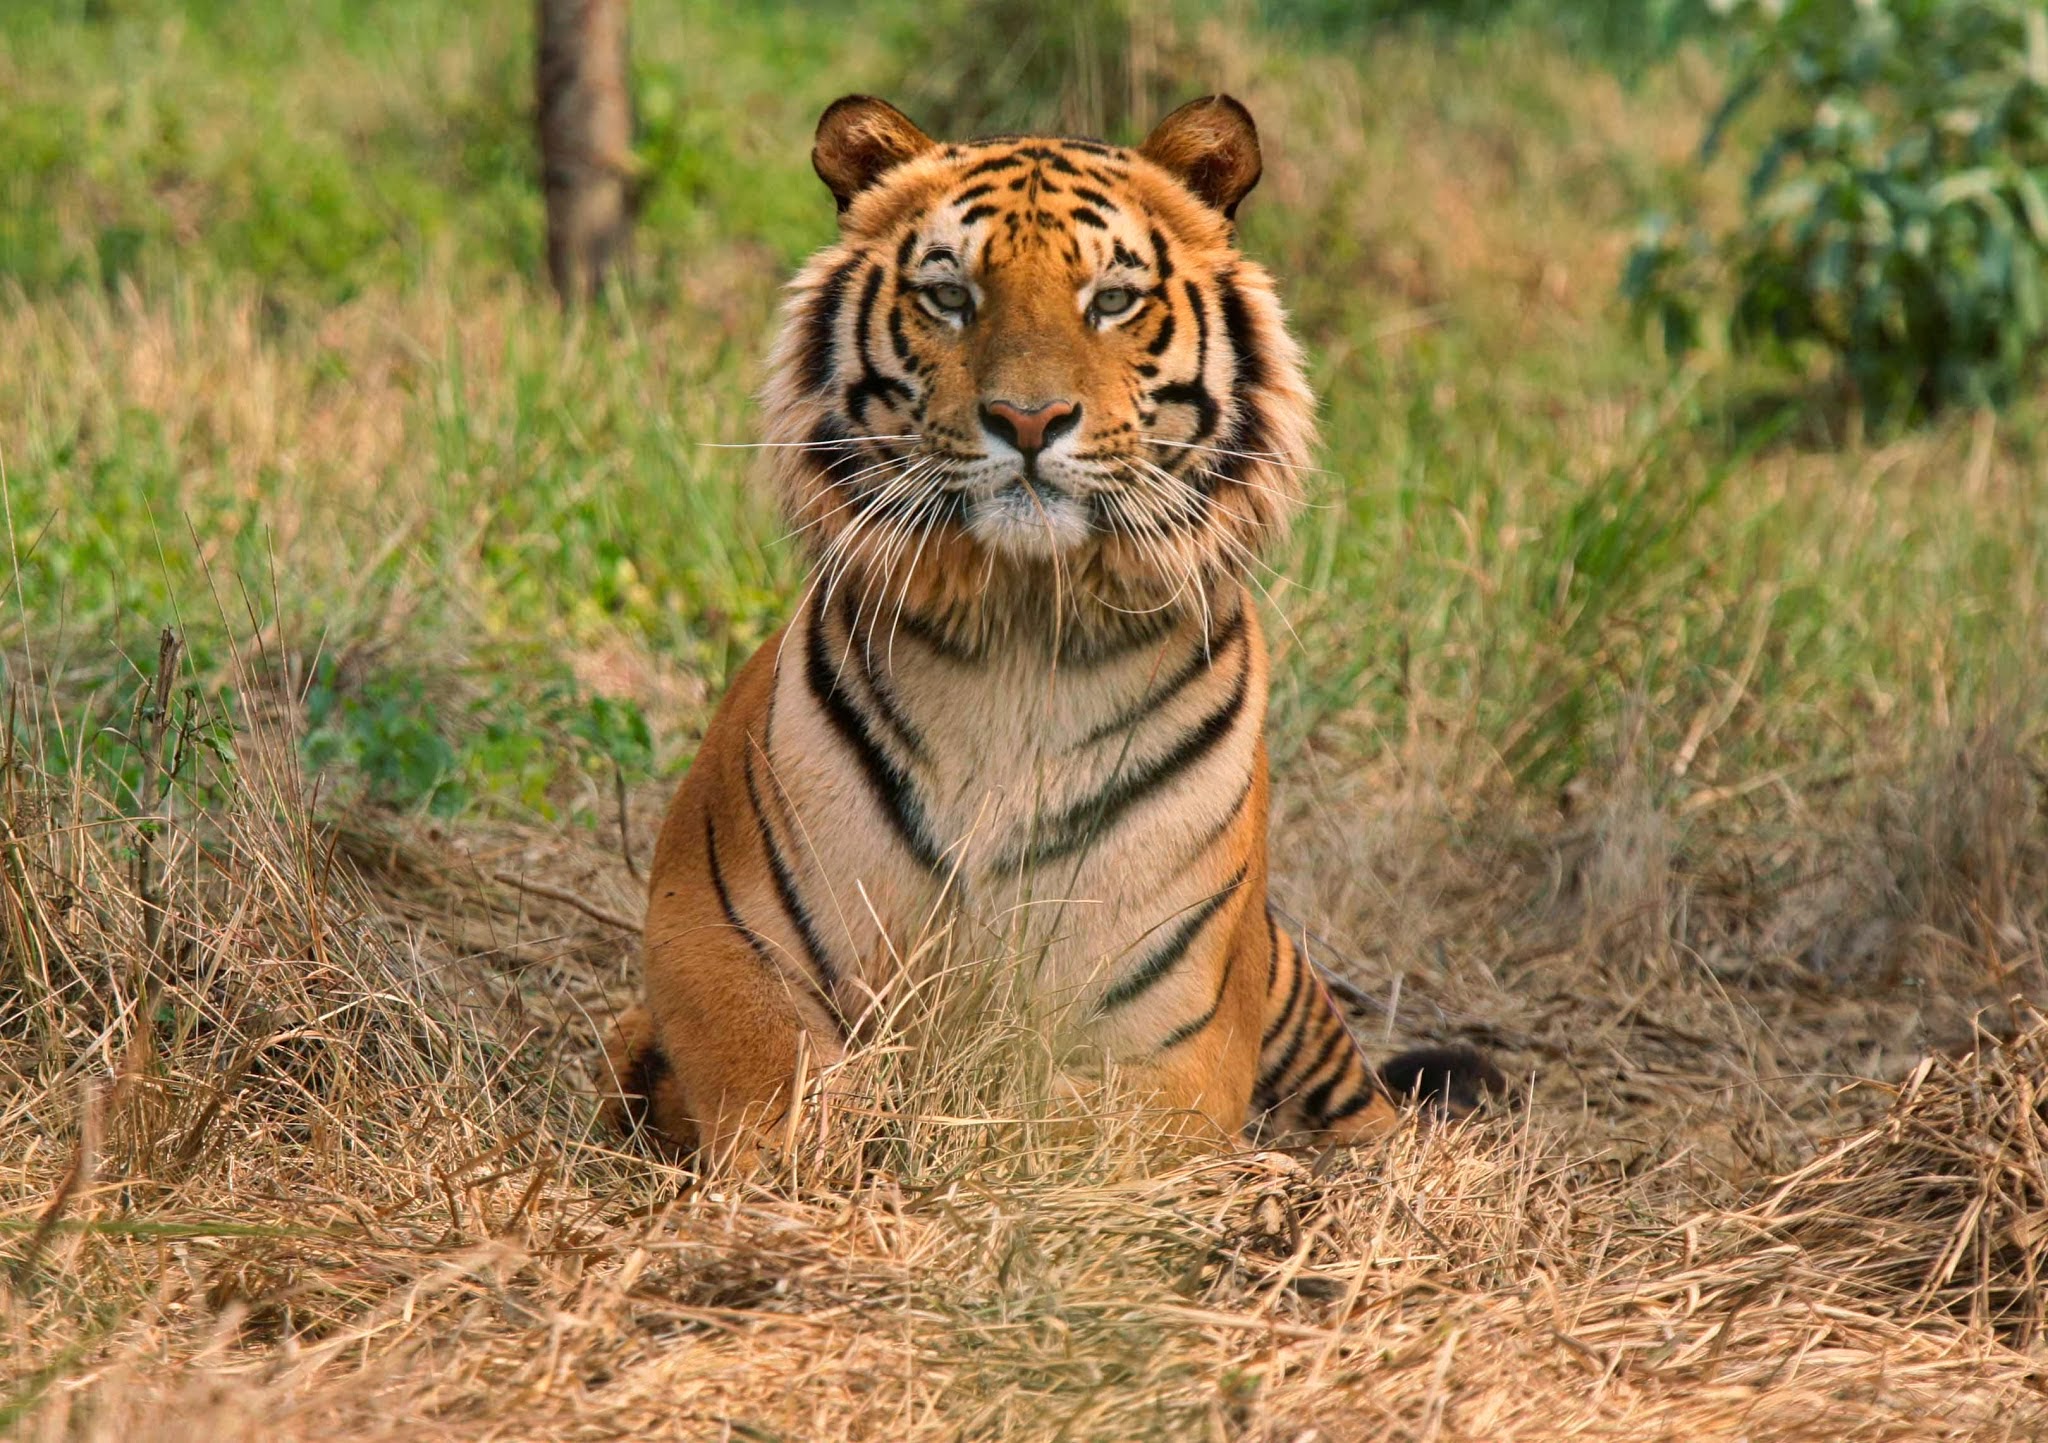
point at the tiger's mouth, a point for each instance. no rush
(1028, 516)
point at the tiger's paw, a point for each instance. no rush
(640, 1091)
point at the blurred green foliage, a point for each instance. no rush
(1624, 33)
(1896, 211)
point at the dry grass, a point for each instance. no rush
(343, 1183)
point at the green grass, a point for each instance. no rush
(272, 308)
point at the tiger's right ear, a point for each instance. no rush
(1211, 147)
(860, 139)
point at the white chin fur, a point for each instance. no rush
(1020, 523)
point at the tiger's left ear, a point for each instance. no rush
(859, 140)
(1211, 147)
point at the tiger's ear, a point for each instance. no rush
(859, 139)
(1211, 147)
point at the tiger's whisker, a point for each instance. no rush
(1270, 458)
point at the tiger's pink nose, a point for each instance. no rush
(1030, 431)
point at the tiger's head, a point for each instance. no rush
(1038, 357)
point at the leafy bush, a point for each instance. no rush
(1896, 215)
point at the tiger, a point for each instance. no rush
(1035, 417)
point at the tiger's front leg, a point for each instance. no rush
(733, 1024)
(716, 1058)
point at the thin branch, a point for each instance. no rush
(568, 899)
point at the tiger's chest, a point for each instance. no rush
(1008, 806)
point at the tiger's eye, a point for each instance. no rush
(949, 297)
(1114, 301)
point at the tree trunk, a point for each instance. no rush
(585, 116)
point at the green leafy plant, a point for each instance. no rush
(412, 746)
(1896, 212)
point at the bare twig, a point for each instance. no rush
(152, 725)
(568, 899)
(625, 822)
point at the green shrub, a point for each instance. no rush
(1896, 214)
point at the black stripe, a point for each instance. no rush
(1142, 978)
(973, 192)
(1165, 336)
(872, 383)
(818, 360)
(899, 342)
(1247, 436)
(892, 788)
(1083, 822)
(1092, 219)
(1114, 639)
(865, 316)
(1322, 1058)
(1248, 432)
(936, 639)
(1223, 823)
(1194, 391)
(1208, 652)
(1271, 1078)
(725, 897)
(1279, 1023)
(1081, 648)
(1193, 394)
(1097, 198)
(1160, 260)
(878, 686)
(993, 164)
(976, 212)
(1186, 1030)
(1244, 341)
(800, 921)
(1316, 1105)
(834, 451)
(1358, 1102)
(1206, 407)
